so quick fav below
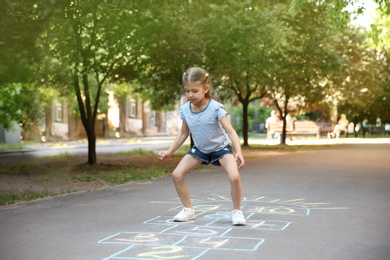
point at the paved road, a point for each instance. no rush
(331, 203)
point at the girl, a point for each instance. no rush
(212, 133)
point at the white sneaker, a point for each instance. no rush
(184, 215)
(238, 218)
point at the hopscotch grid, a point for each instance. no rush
(107, 238)
(201, 254)
(249, 226)
(113, 256)
(181, 240)
(253, 224)
(171, 227)
(281, 206)
(227, 231)
(177, 244)
(206, 234)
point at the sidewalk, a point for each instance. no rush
(323, 141)
(168, 139)
(83, 143)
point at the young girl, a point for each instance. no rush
(212, 133)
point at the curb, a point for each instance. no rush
(17, 151)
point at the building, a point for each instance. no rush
(10, 136)
(132, 117)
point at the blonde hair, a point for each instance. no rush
(195, 74)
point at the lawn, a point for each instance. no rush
(65, 173)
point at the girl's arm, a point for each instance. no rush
(235, 140)
(179, 140)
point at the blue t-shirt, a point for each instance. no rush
(206, 130)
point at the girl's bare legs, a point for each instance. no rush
(186, 164)
(229, 163)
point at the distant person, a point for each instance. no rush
(365, 127)
(272, 119)
(341, 127)
(212, 133)
(351, 128)
(357, 129)
(378, 122)
(387, 128)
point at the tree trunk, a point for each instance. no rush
(283, 115)
(89, 128)
(122, 117)
(245, 126)
(48, 124)
(283, 137)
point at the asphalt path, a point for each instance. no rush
(330, 203)
(79, 148)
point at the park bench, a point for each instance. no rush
(298, 127)
(326, 127)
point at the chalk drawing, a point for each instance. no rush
(211, 231)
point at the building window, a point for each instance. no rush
(132, 108)
(58, 112)
(152, 119)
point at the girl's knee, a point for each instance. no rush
(177, 176)
(235, 179)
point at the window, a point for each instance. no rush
(58, 112)
(152, 119)
(132, 108)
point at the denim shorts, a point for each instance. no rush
(211, 158)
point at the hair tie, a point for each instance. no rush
(206, 75)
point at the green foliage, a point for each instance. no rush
(18, 103)
(256, 115)
(11, 197)
(133, 174)
(8, 147)
(19, 27)
(84, 177)
(379, 36)
(61, 155)
(336, 15)
(89, 40)
(299, 54)
(139, 151)
(236, 118)
(167, 53)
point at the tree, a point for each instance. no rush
(379, 39)
(235, 41)
(170, 44)
(305, 64)
(243, 38)
(89, 39)
(19, 26)
(362, 90)
(365, 92)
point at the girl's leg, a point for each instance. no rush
(229, 163)
(186, 164)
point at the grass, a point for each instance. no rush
(66, 173)
(9, 147)
(61, 155)
(138, 151)
(13, 196)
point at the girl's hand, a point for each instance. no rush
(163, 154)
(240, 158)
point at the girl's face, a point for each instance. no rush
(196, 92)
